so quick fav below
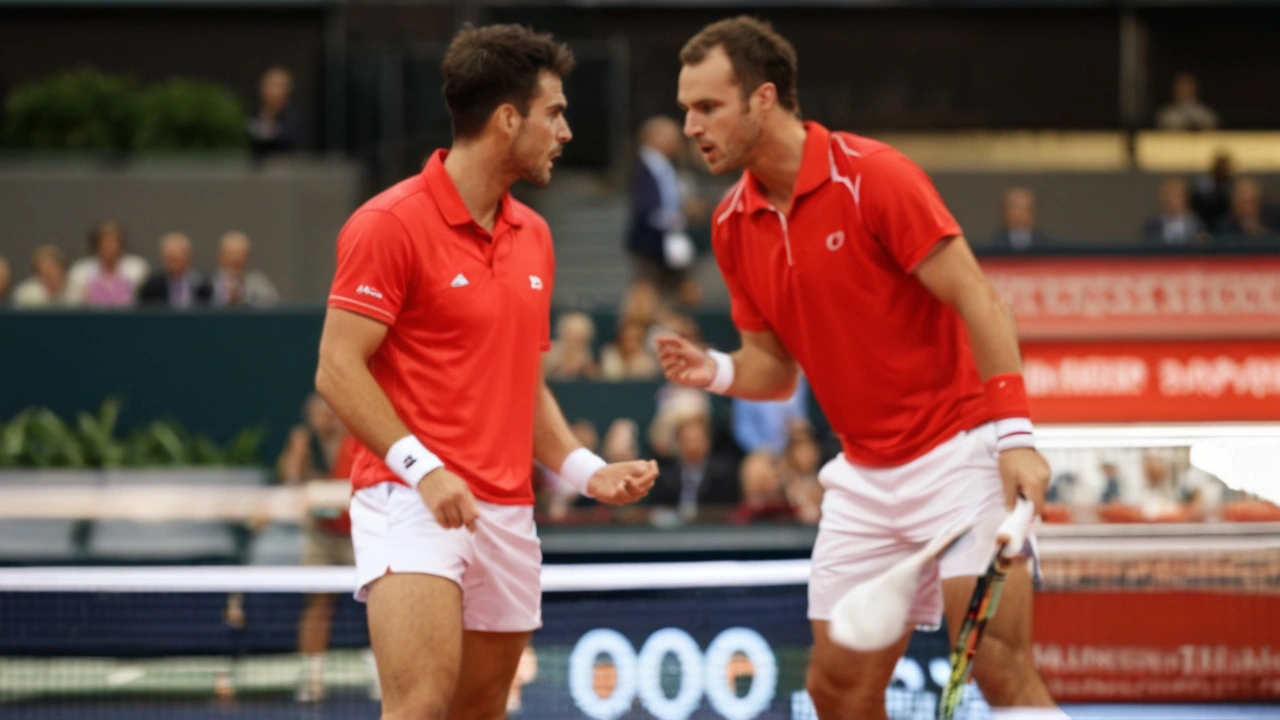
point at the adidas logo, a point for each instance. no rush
(460, 281)
(535, 282)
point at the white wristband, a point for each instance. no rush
(411, 460)
(578, 468)
(724, 372)
(1014, 432)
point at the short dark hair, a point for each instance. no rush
(756, 51)
(106, 227)
(489, 66)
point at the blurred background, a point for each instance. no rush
(173, 175)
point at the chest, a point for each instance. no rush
(819, 255)
(474, 283)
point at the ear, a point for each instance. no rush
(507, 119)
(766, 96)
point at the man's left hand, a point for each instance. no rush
(1025, 471)
(624, 482)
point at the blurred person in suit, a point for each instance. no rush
(656, 235)
(1018, 231)
(177, 285)
(694, 477)
(236, 284)
(276, 127)
(1175, 224)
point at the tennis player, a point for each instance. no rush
(841, 259)
(438, 315)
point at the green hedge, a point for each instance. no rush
(38, 438)
(91, 110)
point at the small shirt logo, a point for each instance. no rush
(535, 282)
(835, 241)
(367, 290)
(460, 281)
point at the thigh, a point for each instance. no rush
(419, 652)
(854, 672)
(1012, 622)
(489, 660)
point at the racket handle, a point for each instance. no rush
(1015, 527)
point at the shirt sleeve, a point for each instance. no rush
(906, 213)
(746, 316)
(374, 266)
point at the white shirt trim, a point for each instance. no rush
(375, 308)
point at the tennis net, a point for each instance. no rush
(1175, 613)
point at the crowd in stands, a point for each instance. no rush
(109, 276)
(1216, 206)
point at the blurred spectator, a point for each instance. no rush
(320, 448)
(764, 425)
(178, 285)
(106, 240)
(640, 303)
(6, 274)
(1175, 224)
(1111, 483)
(656, 237)
(1019, 229)
(628, 358)
(276, 127)
(1211, 191)
(763, 498)
(800, 465)
(47, 286)
(571, 356)
(1249, 217)
(236, 284)
(694, 477)
(1186, 112)
(621, 441)
(674, 403)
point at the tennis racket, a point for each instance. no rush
(982, 606)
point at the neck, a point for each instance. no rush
(776, 164)
(481, 190)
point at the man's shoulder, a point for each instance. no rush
(408, 195)
(865, 152)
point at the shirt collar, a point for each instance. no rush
(815, 169)
(450, 202)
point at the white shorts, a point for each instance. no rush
(499, 567)
(874, 517)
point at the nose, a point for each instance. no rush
(692, 128)
(565, 134)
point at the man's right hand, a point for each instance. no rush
(685, 363)
(449, 499)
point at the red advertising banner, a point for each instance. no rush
(1153, 381)
(1135, 298)
(1158, 646)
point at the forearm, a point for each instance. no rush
(761, 375)
(353, 393)
(993, 335)
(553, 440)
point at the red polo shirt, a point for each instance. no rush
(889, 363)
(468, 315)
